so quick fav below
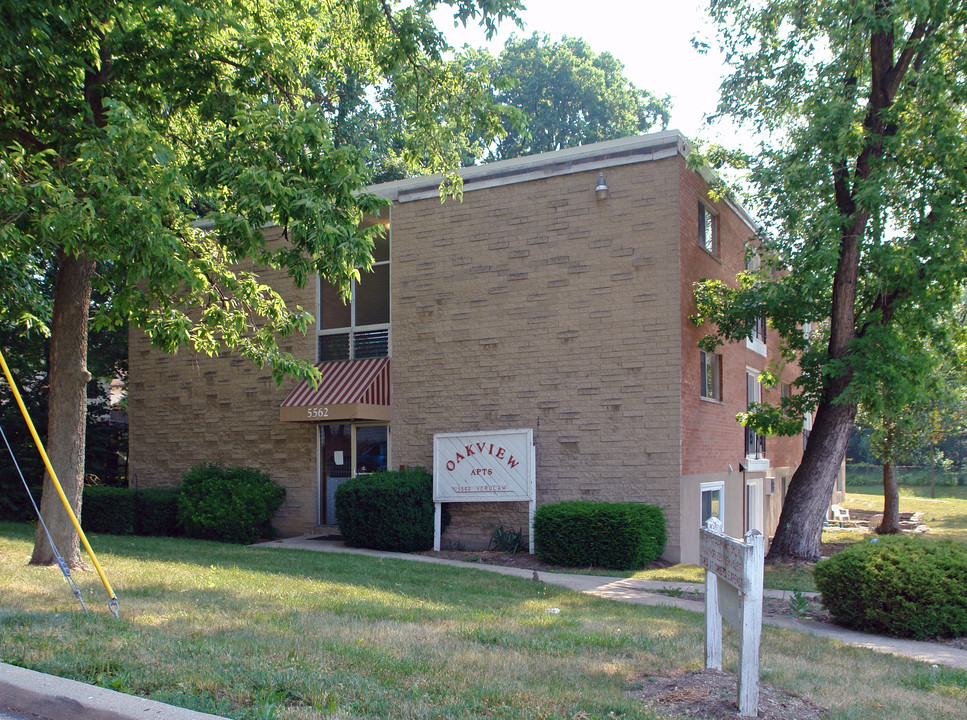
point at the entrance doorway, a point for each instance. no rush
(345, 451)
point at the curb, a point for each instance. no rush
(52, 697)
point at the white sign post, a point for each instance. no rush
(733, 590)
(491, 466)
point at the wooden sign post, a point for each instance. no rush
(733, 590)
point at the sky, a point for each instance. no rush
(651, 37)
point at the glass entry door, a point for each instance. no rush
(347, 450)
(337, 467)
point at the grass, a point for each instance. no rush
(946, 514)
(296, 635)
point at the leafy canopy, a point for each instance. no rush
(860, 182)
(123, 124)
(567, 94)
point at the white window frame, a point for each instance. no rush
(708, 229)
(715, 392)
(716, 486)
(756, 461)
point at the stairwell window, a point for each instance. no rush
(757, 338)
(755, 444)
(711, 375)
(360, 328)
(707, 229)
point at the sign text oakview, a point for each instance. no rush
(482, 448)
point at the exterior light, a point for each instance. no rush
(602, 189)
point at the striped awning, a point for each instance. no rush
(348, 390)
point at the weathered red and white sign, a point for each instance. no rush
(495, 465)
(489, 466)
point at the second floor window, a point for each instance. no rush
(707, 229)
(360, 328)
(711, 375)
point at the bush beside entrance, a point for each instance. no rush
(390, 510)
(623, 536)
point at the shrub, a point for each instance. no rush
(900, 586)
(389, 510)
(230, 504)
(156, 512)
(614, 535)
(108, 510)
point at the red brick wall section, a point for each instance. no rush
(711, 437)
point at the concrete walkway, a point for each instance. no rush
(645, 592)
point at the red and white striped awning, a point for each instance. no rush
(348, 390)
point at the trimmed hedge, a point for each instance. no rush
(896, 585)
(623, 536)
(229, 504)
(109, 510)
(156, 512)
(389, 510)
(126, 511)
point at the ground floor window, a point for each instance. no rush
(345, 451)
(713, 495)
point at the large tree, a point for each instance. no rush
(861, 185)
(125, 123)
(566, 95)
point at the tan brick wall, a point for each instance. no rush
(534, 305)
(187, 409)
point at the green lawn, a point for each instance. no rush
(946, 515)
(271, 633)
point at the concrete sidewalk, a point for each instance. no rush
(645, 592)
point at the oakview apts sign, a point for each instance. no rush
(487, 466)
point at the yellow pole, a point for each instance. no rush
(60, 491)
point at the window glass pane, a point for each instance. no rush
(704, 373)
(371, 448)
(334, 313)
(372, 297)
(702, 236)
(374, 343)
(706, 229)
(711, 504)
(334, 347)
(381, 248)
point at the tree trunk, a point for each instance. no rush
(800, 528)
(67, 412)
(890, 525)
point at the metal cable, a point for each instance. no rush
(61, 563)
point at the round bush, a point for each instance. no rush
(389, 510)
(230, 504)
(896, 585)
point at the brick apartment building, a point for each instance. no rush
(555, 297)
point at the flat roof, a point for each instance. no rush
(583, 158)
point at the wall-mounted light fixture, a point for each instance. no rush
(602, 189)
